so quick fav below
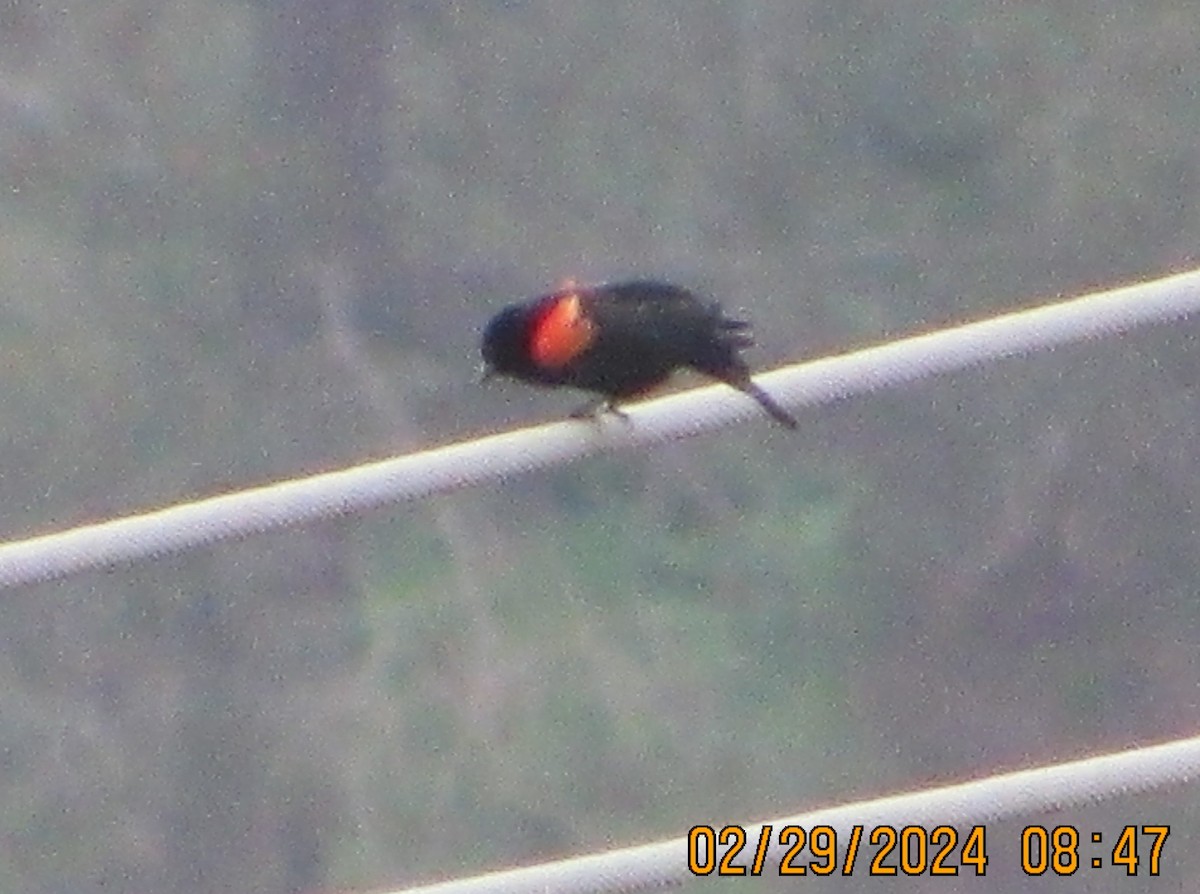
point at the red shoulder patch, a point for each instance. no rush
(561, 332)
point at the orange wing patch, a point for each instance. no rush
(562, 333)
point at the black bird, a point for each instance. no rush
(621, 340)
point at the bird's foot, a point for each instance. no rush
(592, 411)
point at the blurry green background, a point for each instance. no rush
(242, 241)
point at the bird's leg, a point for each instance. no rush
(611, 407)
(592, 410)
(589, 411)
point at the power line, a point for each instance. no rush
(1043, 790)
(456, 466)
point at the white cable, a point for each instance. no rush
(502, 456)
(1054, 788)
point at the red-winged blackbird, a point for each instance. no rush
(621, 340)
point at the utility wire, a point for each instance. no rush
(1054, 788)
(497, 457)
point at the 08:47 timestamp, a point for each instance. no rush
(1059, 850)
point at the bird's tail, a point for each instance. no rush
(739, 378)
(735, 335)
(768, 403)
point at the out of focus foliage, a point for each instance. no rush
(246, 240)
